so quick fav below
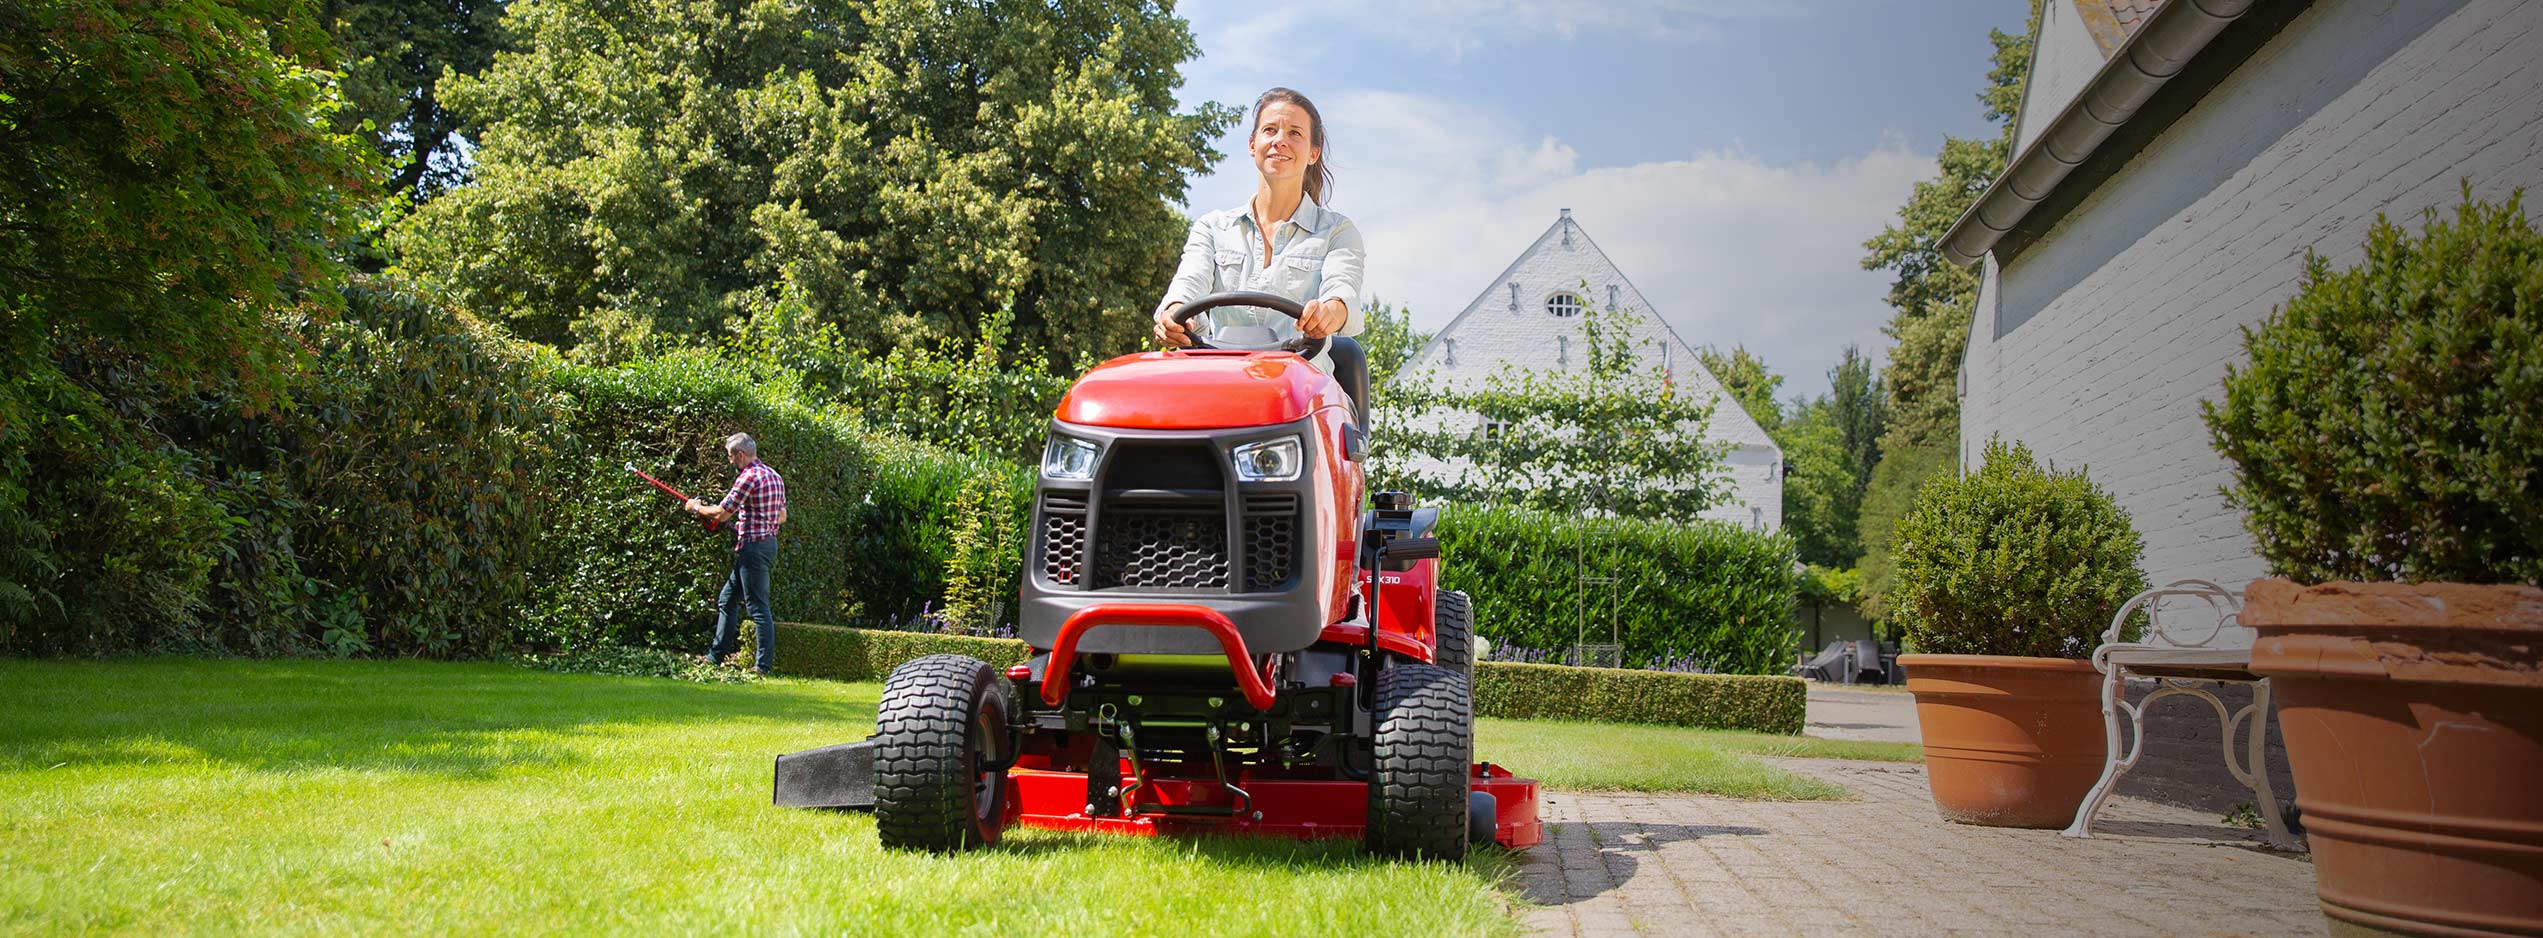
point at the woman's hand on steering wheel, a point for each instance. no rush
(1170, 332)
(1323, 318)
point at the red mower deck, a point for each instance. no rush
(1288, 807)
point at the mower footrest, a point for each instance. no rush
(839, 776)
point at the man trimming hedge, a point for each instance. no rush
(755, 507)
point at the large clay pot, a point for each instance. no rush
(2413, 715)
(2009, 742)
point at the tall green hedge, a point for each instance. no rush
(389, 504)
(873, 523)
(1713, 591)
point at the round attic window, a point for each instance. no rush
(1564, 305)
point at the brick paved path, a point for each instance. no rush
(1624, 864)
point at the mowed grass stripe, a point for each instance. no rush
(209, 796)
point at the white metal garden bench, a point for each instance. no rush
(2183, 663)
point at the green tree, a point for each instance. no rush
(393, 55)
(1611, 438)
(1390, 340)
(1746, 379)
(1822, 491)
(1860, 412)
(649, 171)
(169, 199)
(1931, 300)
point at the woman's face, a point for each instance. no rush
(1284, 141)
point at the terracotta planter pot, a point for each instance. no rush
(2413, 715)
(2009, 742)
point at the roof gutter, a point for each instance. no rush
(2172, 35)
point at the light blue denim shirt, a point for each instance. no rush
(1316, 254)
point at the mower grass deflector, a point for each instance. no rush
(1222, 641)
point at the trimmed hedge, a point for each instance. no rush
(1708, 590)
(1755, 702)
(1758, 703)
(845, 654)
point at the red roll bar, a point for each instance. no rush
(1249, 678)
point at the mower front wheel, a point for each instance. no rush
(941, 750)
(1417, 778)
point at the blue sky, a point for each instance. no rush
(1729, 155)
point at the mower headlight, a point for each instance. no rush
(1270, 460)
(1070, 458)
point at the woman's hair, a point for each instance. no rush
(1319, 176)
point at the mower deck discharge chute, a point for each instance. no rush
(1229, 635)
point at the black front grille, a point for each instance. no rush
(1161, 550)
(1271, 540)
(1063, 545)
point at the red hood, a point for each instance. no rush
(1206, 390)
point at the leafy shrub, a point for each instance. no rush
(2389, 425)
(876, 526)
(981, 400)
(1519, 691)
(2012, 560)
(1760, 703)
(396, 506)
(1709, 590)
(630, 567)
(385, 505)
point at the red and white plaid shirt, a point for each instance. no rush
(757, 500)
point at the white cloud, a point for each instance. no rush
(1448, 30)
(1730, 249)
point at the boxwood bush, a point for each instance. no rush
(1712, 591)
(2389, 425)
(1766, 704)
(2012, 559)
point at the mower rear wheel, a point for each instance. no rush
(1417, 779)
(1452, 626)
(941, 750)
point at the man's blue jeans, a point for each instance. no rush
(747, 588)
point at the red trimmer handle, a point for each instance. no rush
(710, 523)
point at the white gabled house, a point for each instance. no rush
(1529, 318)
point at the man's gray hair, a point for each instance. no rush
(741, 443)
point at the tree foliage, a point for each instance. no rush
(649, 171)
(1745, 377)
(394, 54)
(169, 194)
(2389, 423)
(1931, 301)
(1611, 438)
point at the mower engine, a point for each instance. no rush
(1228, 635)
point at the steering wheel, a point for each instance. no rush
(1302, 346)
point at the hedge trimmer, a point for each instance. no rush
(711, 523)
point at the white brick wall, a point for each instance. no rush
(1490, 336)
(2118, 322)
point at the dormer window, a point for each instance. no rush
(1564, 305)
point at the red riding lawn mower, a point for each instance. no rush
(1223, 639)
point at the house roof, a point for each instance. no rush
(2155, 42)
(2111, 22)
(1730, 420)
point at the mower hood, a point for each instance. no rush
(1195, 390)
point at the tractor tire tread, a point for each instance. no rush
(923, 777)
(1453, 629)
(1418, 777)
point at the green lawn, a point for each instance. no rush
(175, 795)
